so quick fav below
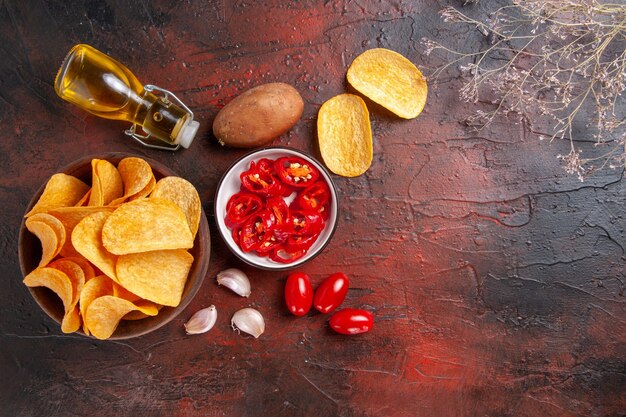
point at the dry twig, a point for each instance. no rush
(550, 58)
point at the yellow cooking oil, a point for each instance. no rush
(101, 85)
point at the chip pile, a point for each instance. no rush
(117, 250)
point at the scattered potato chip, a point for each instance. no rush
(50, 245)
(391, 80)
(53, 279)
(158, 276)
(97, 287)
(106, 183)
(136, 175)
(345, 135)
(61, 191)
(183, 193)
(104, 314)
(86, 239)
(146, 225)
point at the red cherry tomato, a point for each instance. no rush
(352, 321)
(331, 292)
(298, 293)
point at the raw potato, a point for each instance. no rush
(258, 115)
(345, 135)
(390, 80)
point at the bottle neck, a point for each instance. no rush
(159, 117)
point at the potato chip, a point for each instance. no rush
(390, 80)
(345, 135)
(183, 193)
(96, 197)
(136, 175)
(84, 264)
(83, 201)
(86, 239)
(146, 225)
(50, 245)
(95, 288)
(146, 191)
(53, 279)
(158, 276)
(71, 320)
(70, 217)
(107, 183)
(61, 191)
(54, 223)
(122, 292)
(104, 314)
(74, 272)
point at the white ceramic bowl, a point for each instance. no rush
(231, 184)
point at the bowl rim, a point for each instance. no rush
(129, 328)
(303, 260)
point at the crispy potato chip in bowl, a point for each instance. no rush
(111, 317)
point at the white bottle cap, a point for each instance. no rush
(187, 133)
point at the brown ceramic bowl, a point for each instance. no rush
(29, 251)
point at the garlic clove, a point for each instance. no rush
(248, 320)
(202, 321)
(236, 280)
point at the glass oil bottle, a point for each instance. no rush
(99, 84)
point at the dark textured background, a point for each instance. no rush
(496, 279)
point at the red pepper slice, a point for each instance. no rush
(256, 230)
(283, 256)
(314, 197)
(274, 240)
(280, 210)
(297, 242)
(260, 181)
(306, 222)
(295, 171)
(266, 165)
(240, 207)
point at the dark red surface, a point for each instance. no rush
(495, 278)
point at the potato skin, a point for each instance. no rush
(258, 115)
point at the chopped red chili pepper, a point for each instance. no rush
(296, 172)
(280, 210)
(259, 181)
(306, 222)
(256, 230)
(314, 197)
(240, 207)
(283, 256)
(260, 219)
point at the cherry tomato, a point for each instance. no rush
(298, 293)
(352, 321)
(331, 292)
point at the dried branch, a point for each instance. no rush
(550, 58)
